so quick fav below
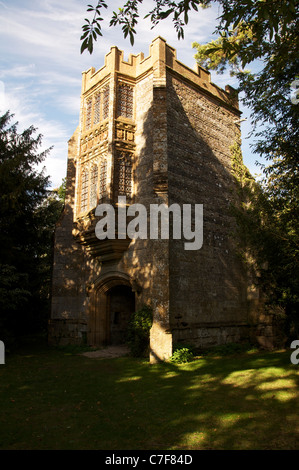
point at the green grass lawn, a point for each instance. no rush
(54, 399)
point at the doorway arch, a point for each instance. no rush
(112, 301)
(120, 306)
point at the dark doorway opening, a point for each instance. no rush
(121, 305)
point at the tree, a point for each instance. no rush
(27, 218)
(268, 242)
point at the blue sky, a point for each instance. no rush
(41, 65)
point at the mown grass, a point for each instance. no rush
(58, 399)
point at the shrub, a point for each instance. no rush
(139, 331)
(182, 355)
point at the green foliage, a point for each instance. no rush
(183, 352)
(239, 170)
(92, 29)
(139, 331)
(182, 355)
(12, 294)
(61, 190)
(28, 212)
(268, 239)
(128, 14)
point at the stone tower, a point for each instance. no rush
(155, 131)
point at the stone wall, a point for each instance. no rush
(68, 314)
(200, 133)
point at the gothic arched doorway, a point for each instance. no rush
(112, 301)
(120, 305)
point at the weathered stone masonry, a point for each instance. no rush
(157, 132)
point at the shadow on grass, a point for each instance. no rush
(52, 399)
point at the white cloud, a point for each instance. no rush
(53, 132)
(43, 31)
(19, 71)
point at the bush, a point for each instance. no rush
(182, 355)
(139, 331)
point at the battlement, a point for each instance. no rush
(162, 58)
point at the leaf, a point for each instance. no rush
(83, 46)
(165, 14)
(84, 35)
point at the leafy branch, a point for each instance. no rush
(92, 29)
(127, 17)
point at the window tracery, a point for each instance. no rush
(97, 109)
(84, 191)
(88, 113)
(103, 178)
(125, 100)
(106, 102)
(93, 186)
(124, 174)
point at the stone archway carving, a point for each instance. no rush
(98, 318)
